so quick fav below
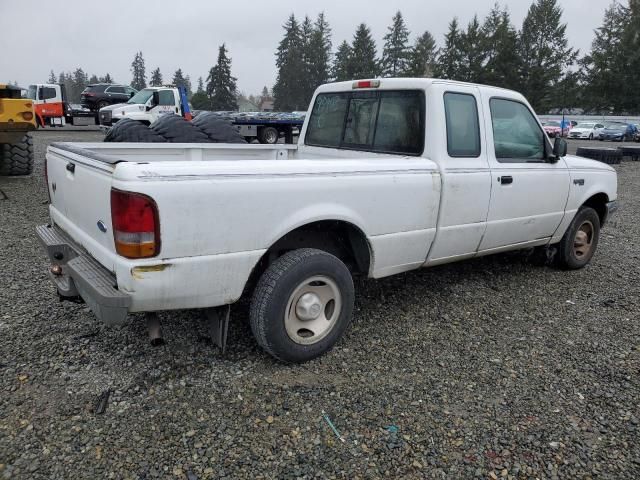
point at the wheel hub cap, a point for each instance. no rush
(313, 310)
(583, 240)
(309, 307)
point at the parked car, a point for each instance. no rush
(552, 128)
(375, 187)
(637, 135)
(99, 95)
(618, 132)
(586, 130)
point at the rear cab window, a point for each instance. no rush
(386, 121)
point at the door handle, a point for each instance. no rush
(71, 167)
(506, 180)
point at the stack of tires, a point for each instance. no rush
(205, 128)
(17, 158)
(610, 156)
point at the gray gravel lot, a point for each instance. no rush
(492, 368)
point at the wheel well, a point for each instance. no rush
(341, 239)
(599, 203)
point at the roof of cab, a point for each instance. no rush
(401, 83)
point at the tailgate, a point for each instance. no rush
(79, 183)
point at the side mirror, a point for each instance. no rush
(559, 148)
(131, 94)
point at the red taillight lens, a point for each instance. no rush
(88, 94)
(136, 227)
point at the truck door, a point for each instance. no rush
(459, 147)
(167, 105)
(529, 193)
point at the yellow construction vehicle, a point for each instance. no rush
(16, 120)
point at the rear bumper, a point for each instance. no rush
(82, 276)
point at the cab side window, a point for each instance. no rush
(165, 97)
(463, 125)
(517, 137)
(47, 93)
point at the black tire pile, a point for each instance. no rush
(205, 128)
(17, 158)
(611, 156)
(633, 152)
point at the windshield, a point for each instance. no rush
(585, 125)
(31, 92)
(141, 97)
(617, 126)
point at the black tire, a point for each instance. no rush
(591, 136)
(268, 135)
(567, 256)
(127, 130)
(17, 158)
(175, 129)
(217, 129)
(276, 288)
(100, 105)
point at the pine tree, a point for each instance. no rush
(156, 78)
(178, 79)
(631, 56)
(545, 54)
(187, 86)
(422, 56)
(289, 91)
(200, 85)
(341, 65)
(318, 55)
(304, 76)
(473, 53)
(139, 72)
(106, 79)
(93, 79)
(52, 77)
(501, 49)
(221, 85)
(449, 63)
(396, 52)
(363, 61)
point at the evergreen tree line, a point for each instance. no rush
(535, 59)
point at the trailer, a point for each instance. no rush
(266, 127)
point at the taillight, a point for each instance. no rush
(88, 94)
(136, 227)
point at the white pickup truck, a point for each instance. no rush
(388, 176)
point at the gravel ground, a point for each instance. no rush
(491, 368)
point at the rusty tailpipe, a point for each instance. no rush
(155, 329)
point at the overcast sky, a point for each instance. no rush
(100, 37)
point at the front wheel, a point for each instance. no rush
(591, 136)
(302, 305)
(580, 241)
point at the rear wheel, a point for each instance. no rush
(579, 243)
(591, 136)
(268, 135)
(17, 158)
(302, 305)
(100, 105)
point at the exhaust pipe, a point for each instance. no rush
(155, 329)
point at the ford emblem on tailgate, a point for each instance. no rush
(101, 226)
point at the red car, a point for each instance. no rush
(553, 129)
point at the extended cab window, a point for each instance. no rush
(517, 137)
(375, 121)
(463, 125)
